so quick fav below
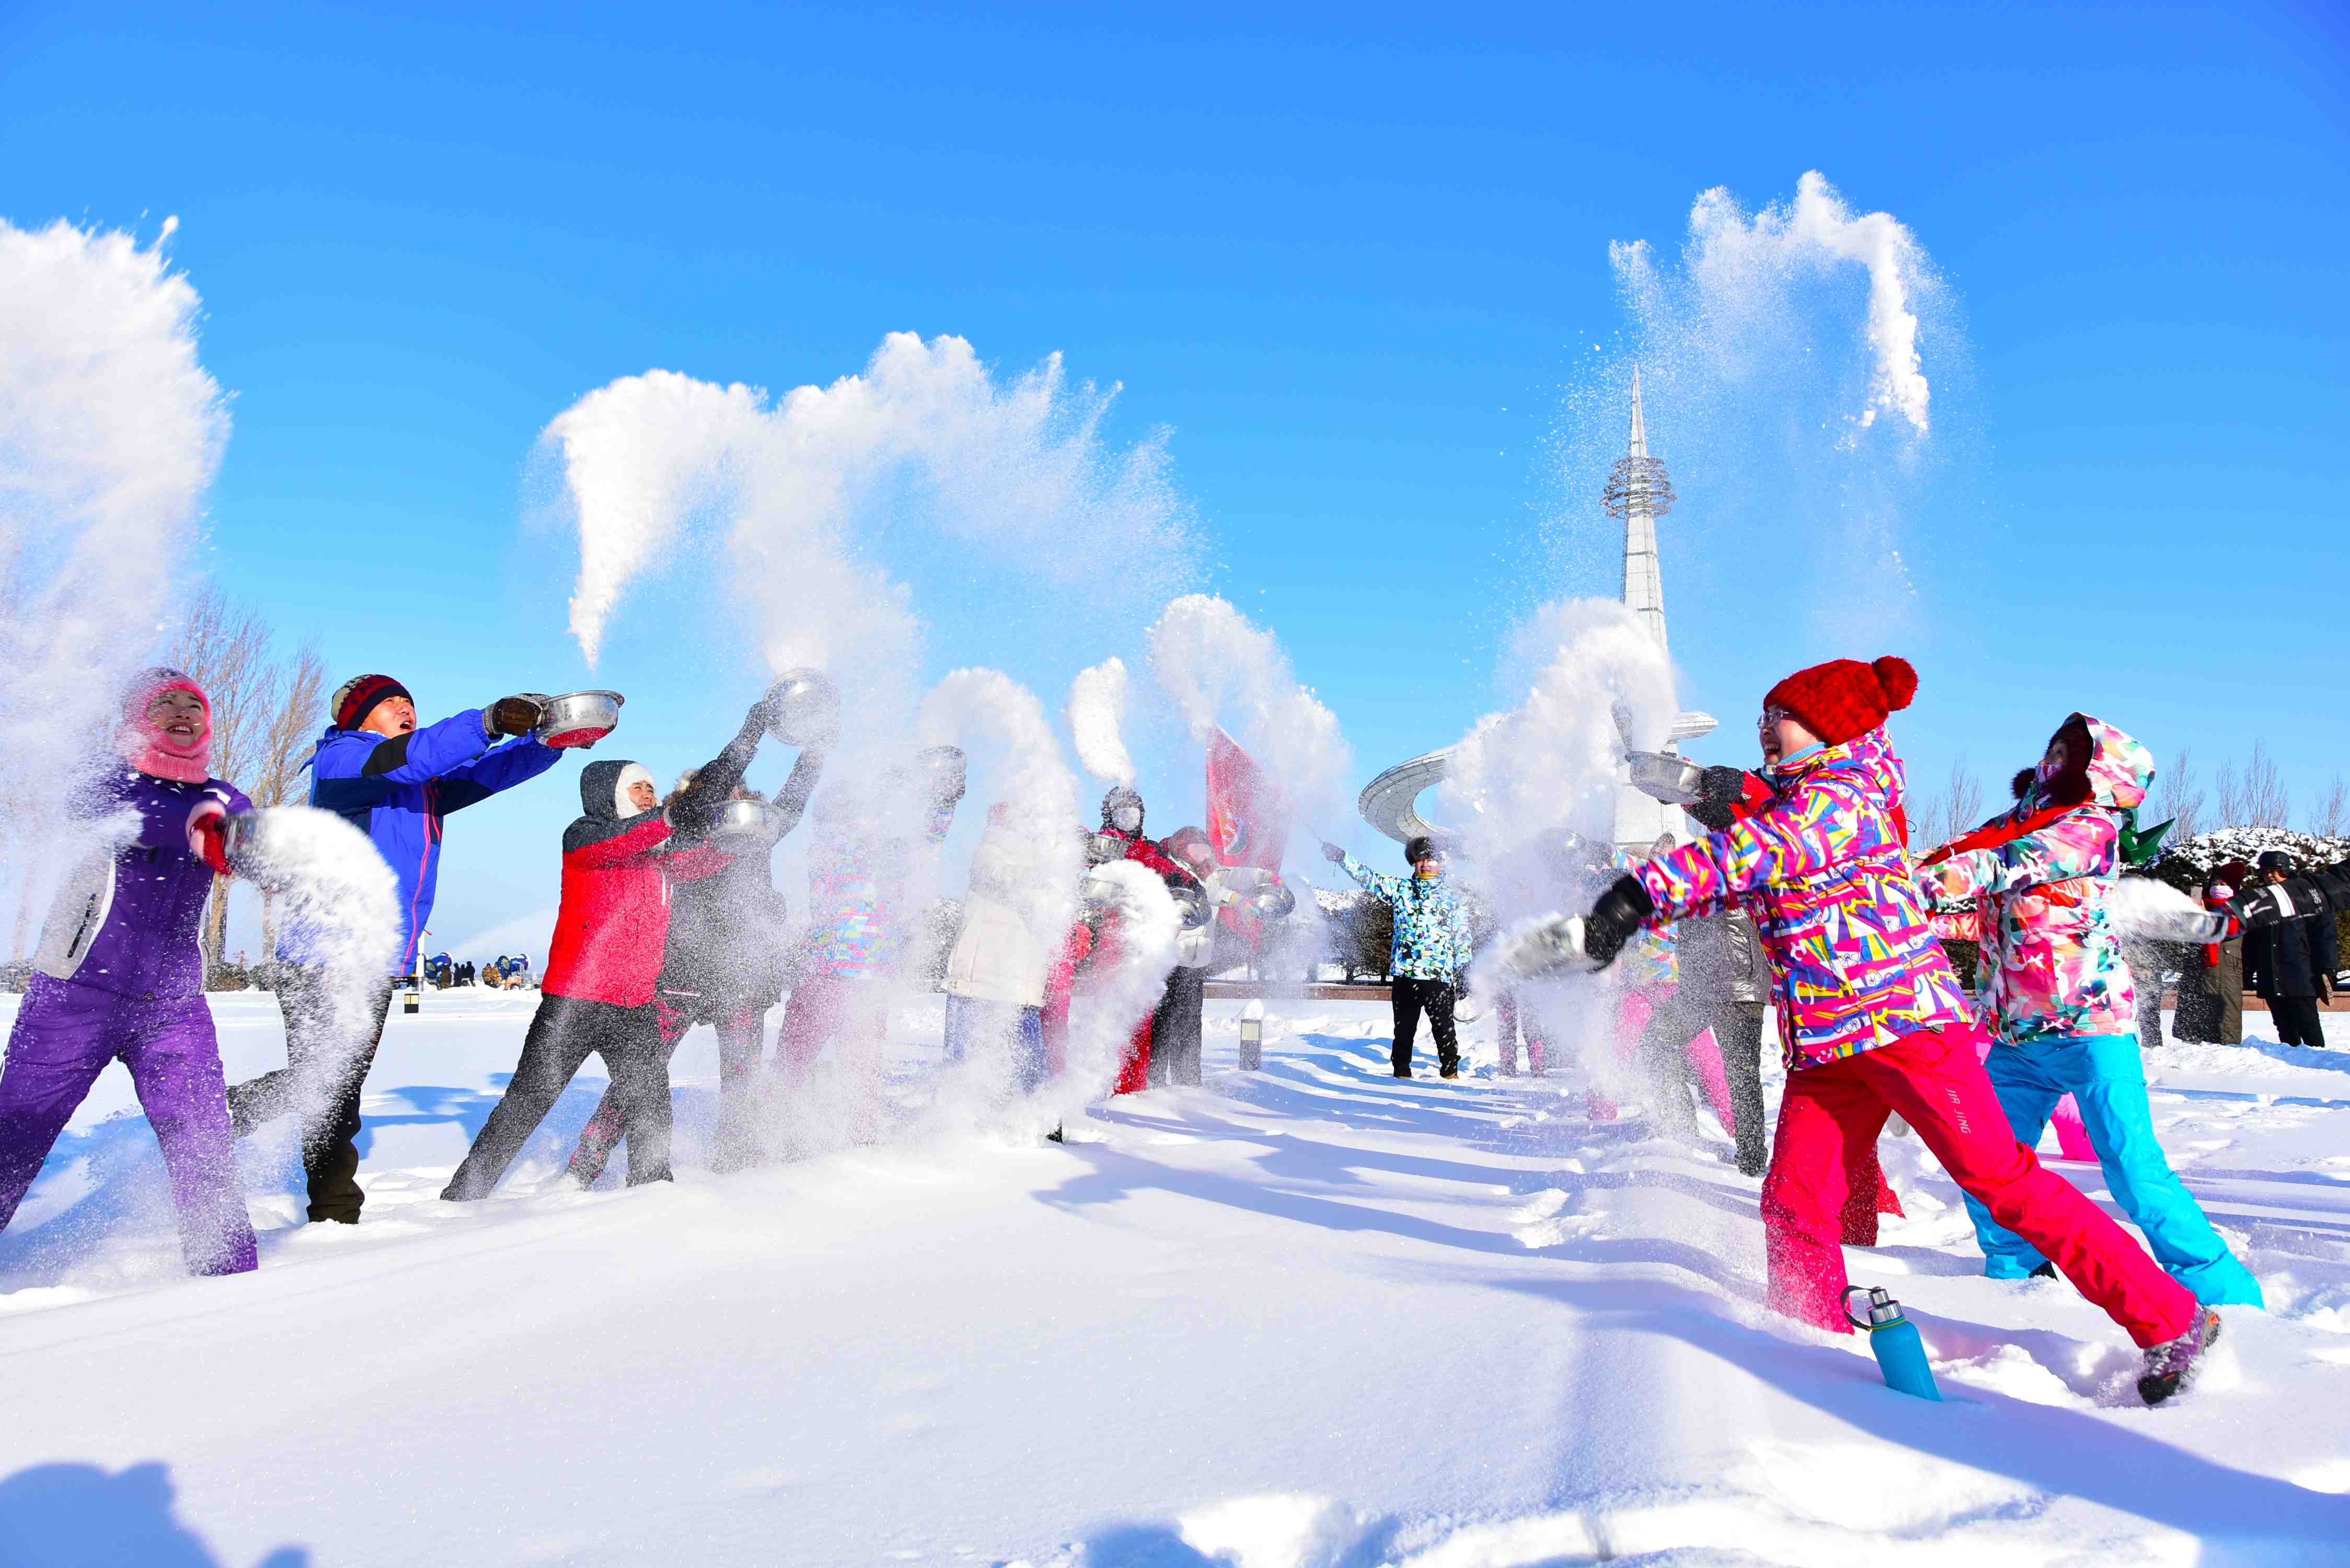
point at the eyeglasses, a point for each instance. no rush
(1771, 717)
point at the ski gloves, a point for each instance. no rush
(515, 715)
(1571, 944)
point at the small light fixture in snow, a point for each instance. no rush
(1252, 1037)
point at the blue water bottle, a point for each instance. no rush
(1900, 1354)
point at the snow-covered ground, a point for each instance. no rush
(1305, 1318)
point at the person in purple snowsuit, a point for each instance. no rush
(119, 976)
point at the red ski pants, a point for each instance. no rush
(1829, 1124)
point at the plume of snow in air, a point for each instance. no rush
(110, 431)
(1028, 863)
(1742, 264)
(789, 499)
(1222, 672)
(1097, 721)
(1530, 792)
(1137, 923)
(2144, 910)
(337, 901)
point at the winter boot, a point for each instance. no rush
(2171, 1367)
(1403, 1072)
(2046, 1271)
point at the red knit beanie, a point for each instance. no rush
(355, 699)
(1845, 699)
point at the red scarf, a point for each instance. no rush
(1998, 833)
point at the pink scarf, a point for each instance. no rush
(146, 746)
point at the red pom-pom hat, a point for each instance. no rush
(1845, 699)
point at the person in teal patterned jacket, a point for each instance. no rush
(1431, 951)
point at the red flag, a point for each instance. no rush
(1248, 820)
(1248, 823)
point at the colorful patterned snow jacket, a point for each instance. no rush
(2051, 964)
(1824, 870)
(1431, 921)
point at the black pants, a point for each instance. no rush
(1663, 1055)
(2296, 1020)
(562, 1034)
(324, 1075)
(1411, 998)
(1738, 1030)
(1175, 1028)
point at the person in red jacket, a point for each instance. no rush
(1121, 820)
(611, 932)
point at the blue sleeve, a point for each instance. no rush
(352, 771)
(1377, 884)
(501, 768)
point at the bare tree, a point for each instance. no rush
(2230, 802)
(263, 702)
(301, 687)
(2267, 802)
(1950, 810)
(2180, 795)
(2332, 818)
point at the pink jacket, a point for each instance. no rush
(2051, 966)
(1824, 870)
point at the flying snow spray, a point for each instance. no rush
(1900, 1354)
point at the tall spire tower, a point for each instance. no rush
(1638, 493)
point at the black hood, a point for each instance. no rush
(599, 803)
(599, 788)
(1117, 797)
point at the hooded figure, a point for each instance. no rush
(119, 976)
(1872, 1021)
(2060, 997)
(611, 931)
(719, 962)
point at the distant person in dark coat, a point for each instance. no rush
(2212, 992)
(2291, 962)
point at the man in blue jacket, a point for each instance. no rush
(394, 783)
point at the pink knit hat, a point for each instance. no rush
(147, 746)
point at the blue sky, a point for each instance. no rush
(1356, 260)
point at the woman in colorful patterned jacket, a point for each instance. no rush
(2062, 1001)
(1871, 1021)
(861, 862)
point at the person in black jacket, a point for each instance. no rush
(721, 966)
(2290, 962)
(1726, 979)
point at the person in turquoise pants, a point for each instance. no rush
(2062, 997)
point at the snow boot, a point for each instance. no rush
(1403, 1072)
(2172, 1366)
(2046, 1271)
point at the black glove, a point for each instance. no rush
(1615, 920)
(1332, 854)
(1724, 785)
(516, 715)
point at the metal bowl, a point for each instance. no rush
(1663, 776)
(747, 819)
(806, 708)
(579, 718)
